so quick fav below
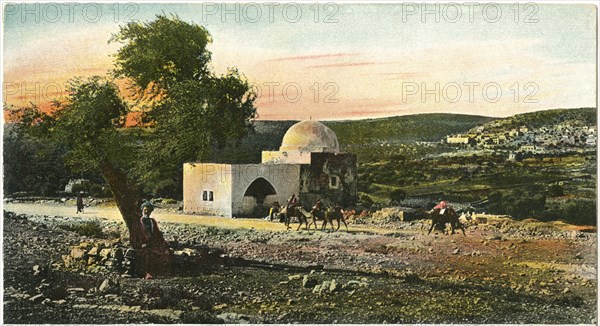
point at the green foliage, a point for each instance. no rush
(582, 212)
(159, 54)
(195, 111)
(92, 229)
(366, 200)
(32, 164)
(556, 190)
(585, 116)
(397, 195)
(518, 204)
(97, 190)
(191, 111)
(86, 124)
(403, 129)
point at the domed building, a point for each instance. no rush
(308, 164)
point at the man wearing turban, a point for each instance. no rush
(152, 253)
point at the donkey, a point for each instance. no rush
(449, 216)
(297, 212)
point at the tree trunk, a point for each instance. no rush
(153, 257)
(125, 191)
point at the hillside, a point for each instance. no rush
(584, 116)
(403, 129)
(267, 135)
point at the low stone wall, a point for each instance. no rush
(98, 257)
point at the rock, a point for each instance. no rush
(37, 270)
(309, 282)
(456, 251)
(578, 256)
(93, 251)
(566, 290)
(317, 289)
(333, 286)
(22, 296)
(77, 253)
(106, 286)
(294, 277)
(105, 253)
(37, 298)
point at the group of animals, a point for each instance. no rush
(328, 215)
(303, 216)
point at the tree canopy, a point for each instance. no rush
(158, 54)
(191, 110)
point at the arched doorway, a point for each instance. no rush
(259, 196)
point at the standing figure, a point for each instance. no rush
(79, 202)
(274, 210)
(152, 253)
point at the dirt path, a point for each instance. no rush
(162, 215)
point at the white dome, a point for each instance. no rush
(310, 136)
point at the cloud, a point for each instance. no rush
(344, 64)
(315, 56)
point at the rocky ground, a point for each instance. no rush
(381, 271)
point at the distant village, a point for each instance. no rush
(562, 138)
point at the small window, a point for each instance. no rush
(210, 196)
(204, 195)
(334, 182)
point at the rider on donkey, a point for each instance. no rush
(291, 204)
(441, 207)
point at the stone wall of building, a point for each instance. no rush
(284, 178)
(207, 189)
(286, 157)
(330, 177)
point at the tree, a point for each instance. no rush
(556, 190)
(397, 195)
(191, 110)
(35, 165)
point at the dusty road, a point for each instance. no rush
(111, 212)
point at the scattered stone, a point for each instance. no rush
(578, 256)
(566, 290)
(456, 251)
(105, 253)
(77, 253)
(294, 277)
(333, 286)
(21, 296)
(39, 270)
(309, 282)
(93, 251)
(109, 286)
(37, 298)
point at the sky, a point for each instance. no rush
(332, 61)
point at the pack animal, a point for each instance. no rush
(297, 212)
(449, 216)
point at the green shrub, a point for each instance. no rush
(580, 212)
(397, 195)
(556, 190)
(92, 229)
